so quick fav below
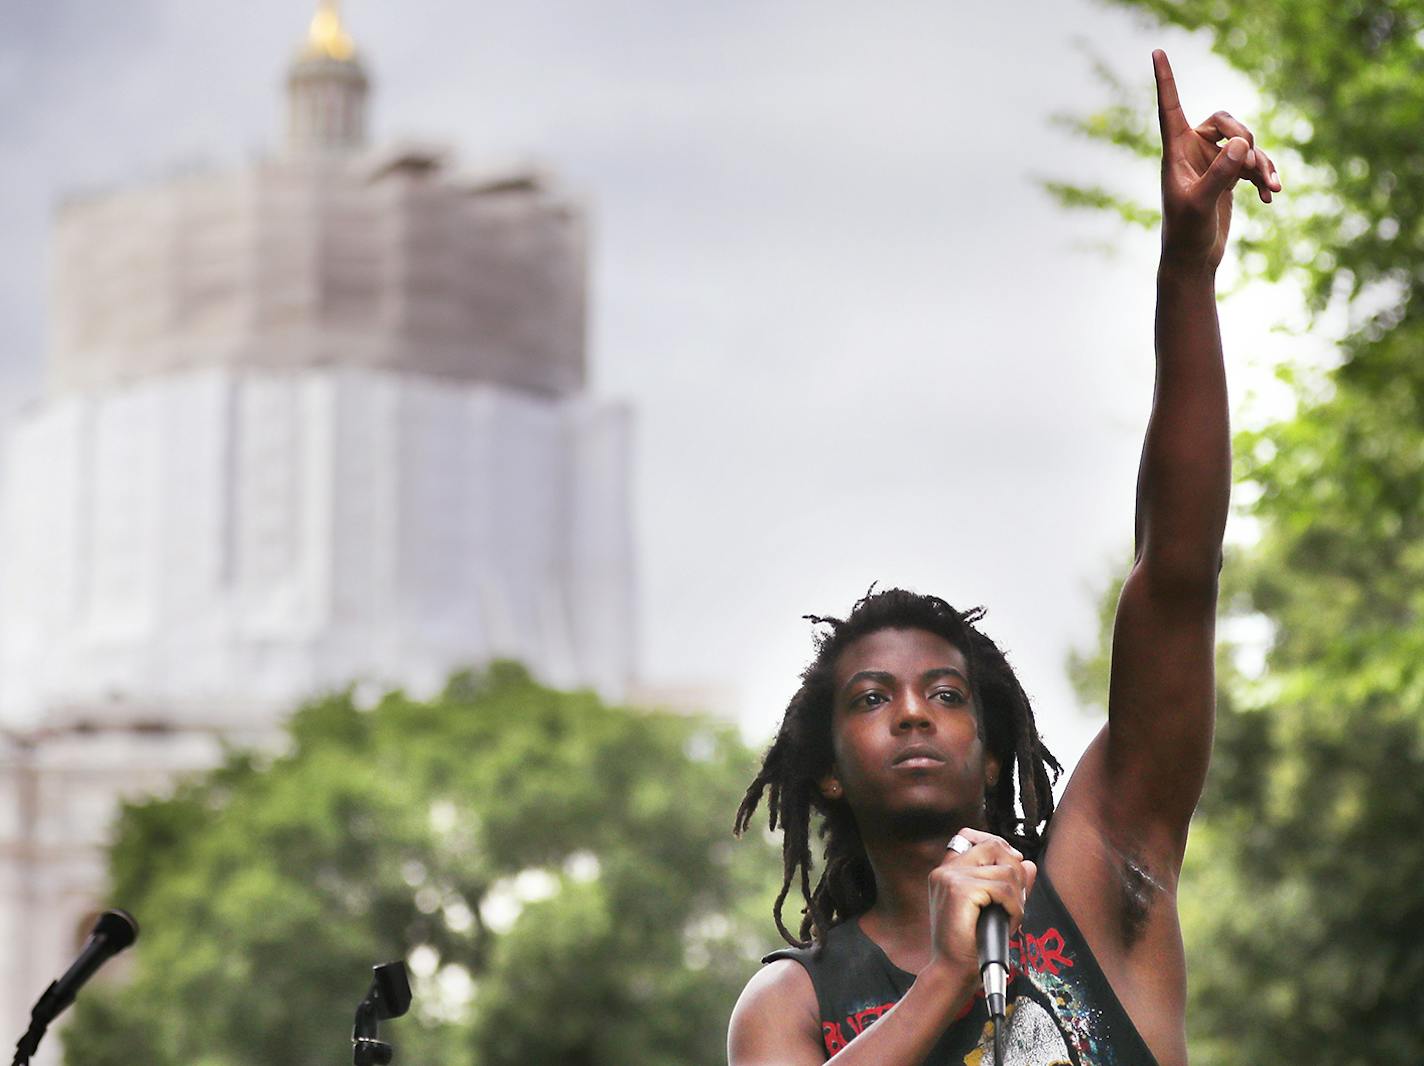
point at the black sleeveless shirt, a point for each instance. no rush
(1060, 1010)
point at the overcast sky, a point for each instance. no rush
(860, 344)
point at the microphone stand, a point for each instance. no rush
(113, 931)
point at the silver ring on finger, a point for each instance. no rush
(958, 845)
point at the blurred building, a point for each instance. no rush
(317, 421)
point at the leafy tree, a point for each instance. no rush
(558, 873)
(1300, 898)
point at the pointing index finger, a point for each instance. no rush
(1169, 108)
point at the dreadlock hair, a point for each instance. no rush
(801, 755)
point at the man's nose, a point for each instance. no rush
(914, 713)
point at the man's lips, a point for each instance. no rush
(919, 755)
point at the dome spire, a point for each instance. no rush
(327, 37)
(326, 89)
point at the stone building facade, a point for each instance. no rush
(318, 421)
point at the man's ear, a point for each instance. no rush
(991, 770)
(830, 785)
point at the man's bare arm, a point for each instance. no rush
(1162, 695)
(1144, 774)
(1119, 835)
(776, 1022)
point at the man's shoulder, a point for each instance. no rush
(781, 978)
(777, 1009)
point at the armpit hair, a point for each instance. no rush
(1141, 892)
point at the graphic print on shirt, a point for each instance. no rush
(1032, 1034)
(1031, 1038)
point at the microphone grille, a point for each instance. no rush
(118, 927)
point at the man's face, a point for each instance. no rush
(905, 731)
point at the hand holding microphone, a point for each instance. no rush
(977, 897)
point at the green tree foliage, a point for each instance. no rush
(559, 874)
(1301, 899)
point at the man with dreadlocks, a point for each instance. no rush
(914, 745)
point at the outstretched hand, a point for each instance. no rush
(1199, 174)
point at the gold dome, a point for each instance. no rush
(326, 39)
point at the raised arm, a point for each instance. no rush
(1143, 775)
(1120, 832)
(1162, 693)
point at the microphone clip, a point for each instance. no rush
(388, 997)
(39, 1024)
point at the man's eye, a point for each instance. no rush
(950, 695)
(872, 699)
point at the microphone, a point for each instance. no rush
(113, 931)
(992, 935)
